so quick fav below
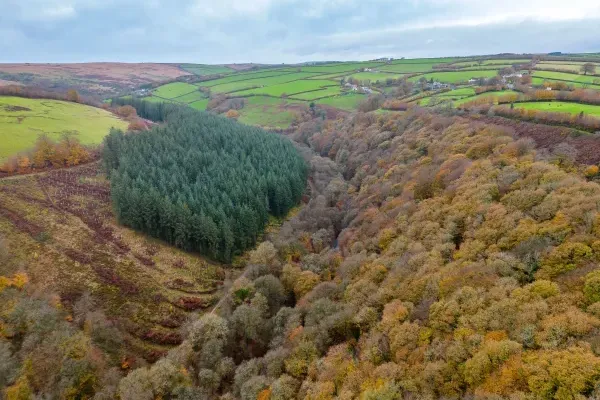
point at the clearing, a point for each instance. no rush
(22, 120)
(561, 106)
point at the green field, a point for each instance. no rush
(348, 102)
(201, 69)
(259, 82)
(493, 95)
(462, 92)
(561, 106)
(200, 104)
(318, 94)
(494, 62)
(289, 88)
(175, 89)
(22, 120)
(341, 67)
(374, 76)
(455, 77)
(439, 60)
(243, 77)
(540, 81)
(566, 77)
(408, 68)
(267, 112)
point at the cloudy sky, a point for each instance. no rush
(276, 31)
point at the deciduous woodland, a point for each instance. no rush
(202, 182)
(435, 257)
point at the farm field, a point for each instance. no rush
(317, 94)
(200, 104)
(258, 82)
(268, 112)
(244, 76)
(289, 88)
(22, 120)
(566, 77)
(408, 68)
(455, 77)
(561, 106)
(374, 76)
(347, 102)
(493, 95)
(175, 89)
(496, 62)
(62, 226)
(540, 81)
(341, 67)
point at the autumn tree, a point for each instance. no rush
(73, 96)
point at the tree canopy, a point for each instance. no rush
(202, 182)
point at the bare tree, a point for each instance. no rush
(588, 67)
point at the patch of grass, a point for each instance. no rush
(200, 104)
(244, 76)
(267, 112)
(408, 68)
(317, 94)
(20, 127)
(455, 77)
(566, 77)
(493, 95)
(561, 106)
(258, 82)
(347, 102)
(175, 89)
(290, 88)
(190, 97)
(341, 67)
(374, 76)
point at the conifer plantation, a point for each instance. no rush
(202, 182)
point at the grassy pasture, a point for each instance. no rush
(200, 104)
(493, 95)
(22, 120)
(347, 102)
(461, 92)
(540, 81)
(573, 66)
(455, 76)
(258, 82)
(243, 77)
(190, 97)
(494, 62)
(341, 67)
(267, 112)
(409, 68)
(317, 94)
(374, 76)
(201, 69)
(564, 76)
(439, 60)
(175, 89)
(289, 88)
(561, 106)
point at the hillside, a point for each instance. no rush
(437, 258)
(281, 96)
(90, 79)
(22, 120)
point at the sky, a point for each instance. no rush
(289, 31)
